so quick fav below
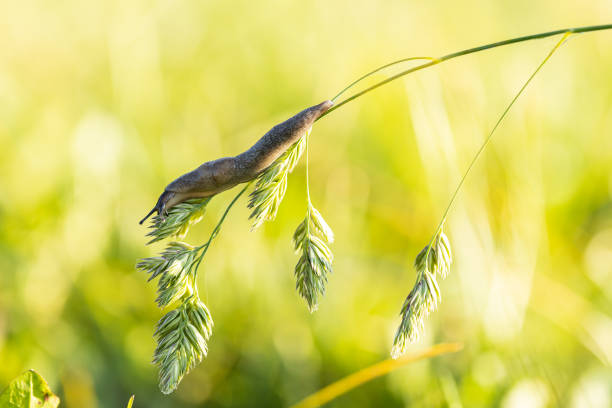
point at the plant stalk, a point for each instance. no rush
(488, 139)
(215, 231)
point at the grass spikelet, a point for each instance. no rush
(433, 261)
(182, 342)
(173, 268)
(312, 238)
(271, 185)
(178, 220)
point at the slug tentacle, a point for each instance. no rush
(162, 205)
(219, 175)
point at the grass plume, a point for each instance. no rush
(437, 257)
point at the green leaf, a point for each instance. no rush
(29, 390)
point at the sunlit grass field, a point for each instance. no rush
(103, 103)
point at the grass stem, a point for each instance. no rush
(215, 231)
(488, 139)
(436, 61)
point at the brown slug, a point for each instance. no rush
(219, 175)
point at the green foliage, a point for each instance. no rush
(28, 390)
(312, 238)
(271, 185)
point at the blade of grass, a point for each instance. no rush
(354, 380)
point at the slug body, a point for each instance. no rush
(218, 175)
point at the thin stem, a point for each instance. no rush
(355, 82)
(307, 187)
(436, 61)
(216, 230)
(307, 179)
(488, 139)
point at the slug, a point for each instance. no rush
(219, 175)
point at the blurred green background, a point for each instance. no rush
(103, 103)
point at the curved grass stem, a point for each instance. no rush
(308, 186)
(361, 78)
(439, 60)
(490, 135)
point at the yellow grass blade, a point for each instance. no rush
(354, 380)
(576, 315)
